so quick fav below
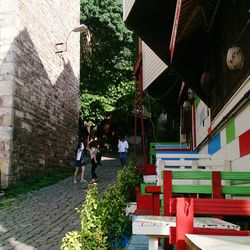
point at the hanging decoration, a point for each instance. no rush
(235, 58)
(206, 81)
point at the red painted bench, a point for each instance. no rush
(186, 209)
(145, 204)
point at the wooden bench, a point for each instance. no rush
(159, 226)
(179, 160)
(186, 209)
(217, 186)
(173, 160)
(188, 161)
(165, 146)
(145, 201)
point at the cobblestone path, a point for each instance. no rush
(40, 219)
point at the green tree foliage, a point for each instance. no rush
(106, 69)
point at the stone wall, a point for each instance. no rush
(7, 67)
(43, 109)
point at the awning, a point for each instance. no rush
(153, 22)
(165, 90)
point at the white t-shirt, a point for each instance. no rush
(79, 154)
(123, 146)
(93, 151)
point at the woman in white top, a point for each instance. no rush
(80, 162)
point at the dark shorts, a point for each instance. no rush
(78, 164)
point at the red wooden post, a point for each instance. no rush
(184, 220)
(216, 185)
(156, 204)
(167, 190)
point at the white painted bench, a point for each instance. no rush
(175, 160)
(186, 161)
(200, 164)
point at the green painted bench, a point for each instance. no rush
(215, 184)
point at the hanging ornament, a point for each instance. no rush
(235, 58)
(206, 81)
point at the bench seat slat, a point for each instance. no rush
(192, 175)
(236, 190)
(192, 189)
(207, 189)
(233, 175)
(217, 207)
(207, 175)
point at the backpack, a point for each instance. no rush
(98, 156)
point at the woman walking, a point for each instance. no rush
(80, 162)
(94, 161)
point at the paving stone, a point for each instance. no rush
(39, 220)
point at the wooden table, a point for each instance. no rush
(212, 242)
(158, 226)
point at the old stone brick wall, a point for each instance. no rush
(45, 92)
(7, 32)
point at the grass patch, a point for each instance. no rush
(33, 183)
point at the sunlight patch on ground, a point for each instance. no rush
(17, 245)
(107, 158)
(2, 229)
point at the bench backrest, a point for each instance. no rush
(209, 206)
(165, 146)
(216, 187)
(184, 155)
(189, 162)
(175, 158)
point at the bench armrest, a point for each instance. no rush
(153, 189)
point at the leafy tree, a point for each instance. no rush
(106, 69)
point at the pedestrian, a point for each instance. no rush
(123, 150)
(94, 148)
(80, 162)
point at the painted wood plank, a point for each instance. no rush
(244, 141)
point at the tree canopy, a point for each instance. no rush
(106, 68)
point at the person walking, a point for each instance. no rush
(80, 162)
(123, 150)
(94, 148)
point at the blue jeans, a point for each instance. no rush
(123, 158)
